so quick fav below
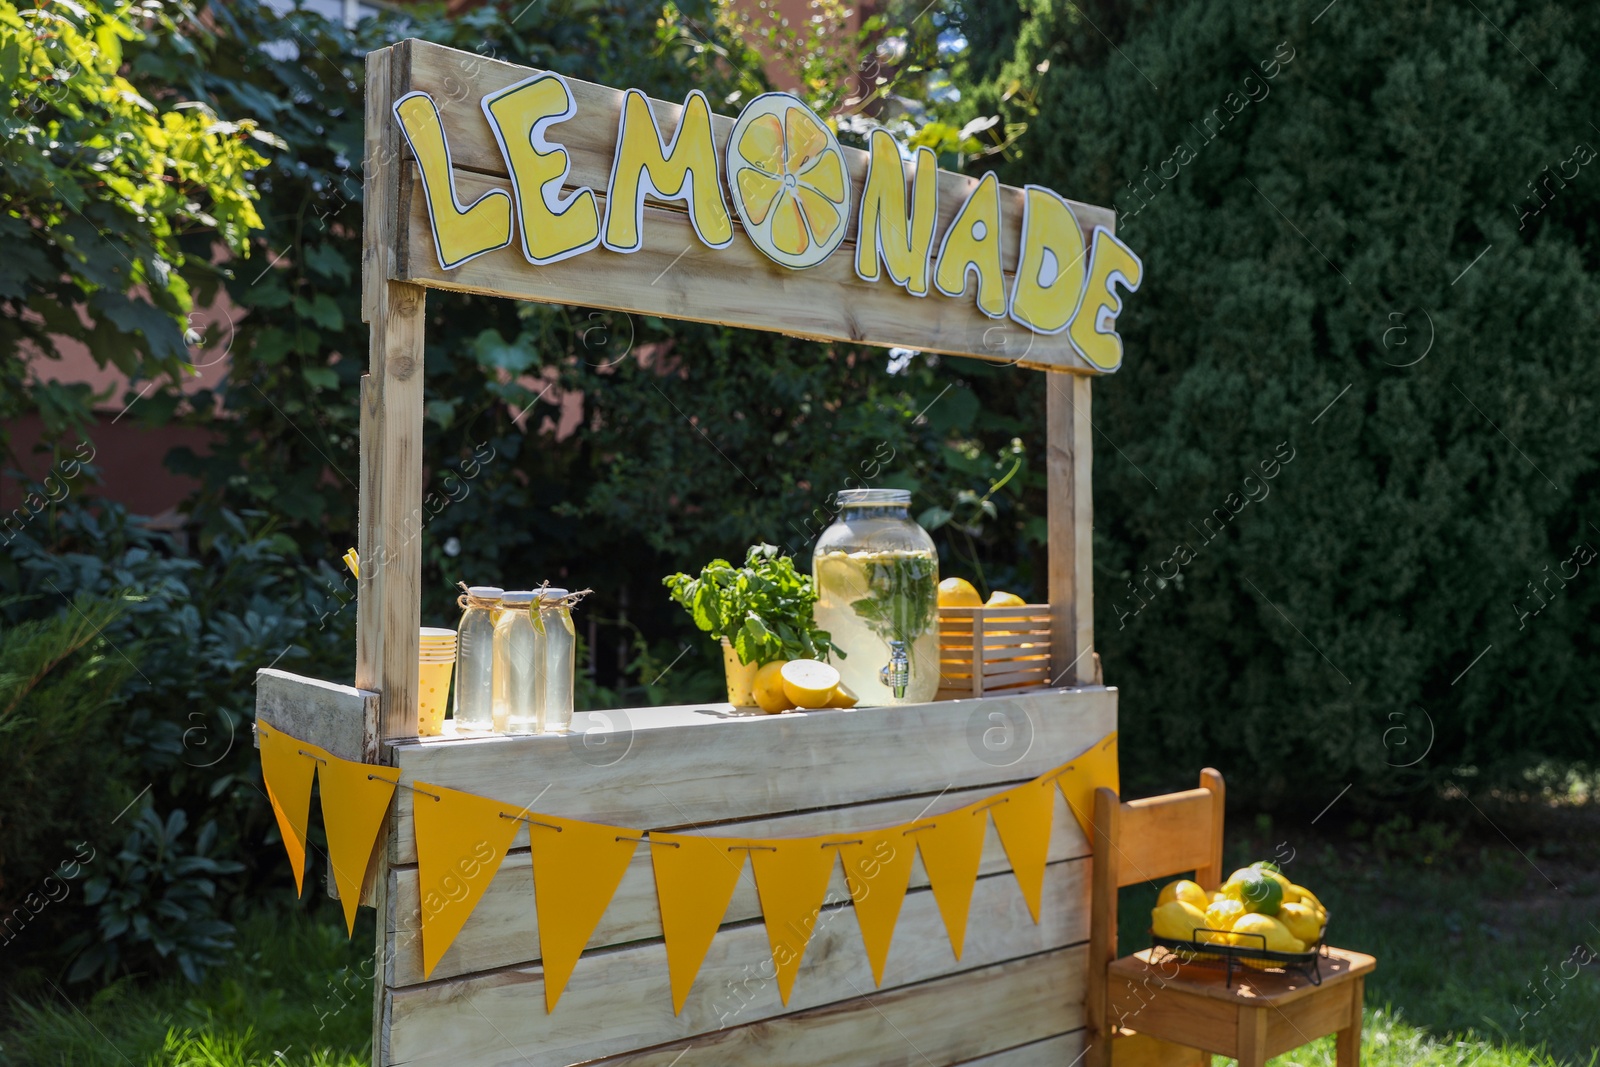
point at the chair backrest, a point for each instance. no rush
(1158, 837)
(1140, 841)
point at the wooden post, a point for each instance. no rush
(389, 611)
(1070, 517)
(1102, 925)
(389, 604)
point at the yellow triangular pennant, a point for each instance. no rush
(461, 841)
(695, 879)
(577, 867)
(1079, 779)
(1023, 816)
(355, 797)
(791, 879)
(877, 867)
(287, 766)
(952, 847)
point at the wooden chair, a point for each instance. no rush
(1153, 1013)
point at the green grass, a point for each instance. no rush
(1460, 919)
(1388, 1041)
(295, 995)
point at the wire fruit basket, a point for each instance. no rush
(1232, 958)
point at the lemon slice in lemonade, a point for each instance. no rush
(788, 179)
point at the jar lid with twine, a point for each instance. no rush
(553, 597)
(486, 597)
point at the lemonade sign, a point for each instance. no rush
(790, 185)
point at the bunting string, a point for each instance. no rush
(462, 839)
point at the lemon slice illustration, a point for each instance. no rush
(788, 179)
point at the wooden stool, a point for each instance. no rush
(1147, 1011)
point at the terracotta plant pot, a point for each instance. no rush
(741, 676)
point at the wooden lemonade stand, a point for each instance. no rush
(438, 201)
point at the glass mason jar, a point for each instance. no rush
(516, 708)
(556, 644)
(877, 580)
(474, 708)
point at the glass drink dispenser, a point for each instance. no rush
(877, 582)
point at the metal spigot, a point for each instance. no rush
(897, 675)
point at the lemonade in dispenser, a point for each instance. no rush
(876, 575)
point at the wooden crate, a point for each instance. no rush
(993, 651)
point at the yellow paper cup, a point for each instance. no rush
(437, 638)
(433, 687)
(741, 677)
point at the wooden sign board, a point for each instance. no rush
(513, 161)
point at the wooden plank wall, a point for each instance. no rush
(675, 274)
(1014, 999)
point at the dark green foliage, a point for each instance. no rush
(59, 680)
(156, 900)
(159, 715)
(1318, 194)
(107, 186)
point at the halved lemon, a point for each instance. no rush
(840, 579)
(841, 697)
(809, 683)
(789, 182)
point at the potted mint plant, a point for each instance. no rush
(761, 612)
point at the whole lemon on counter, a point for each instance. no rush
(999, 599)
(958, 593)
(767, 688)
